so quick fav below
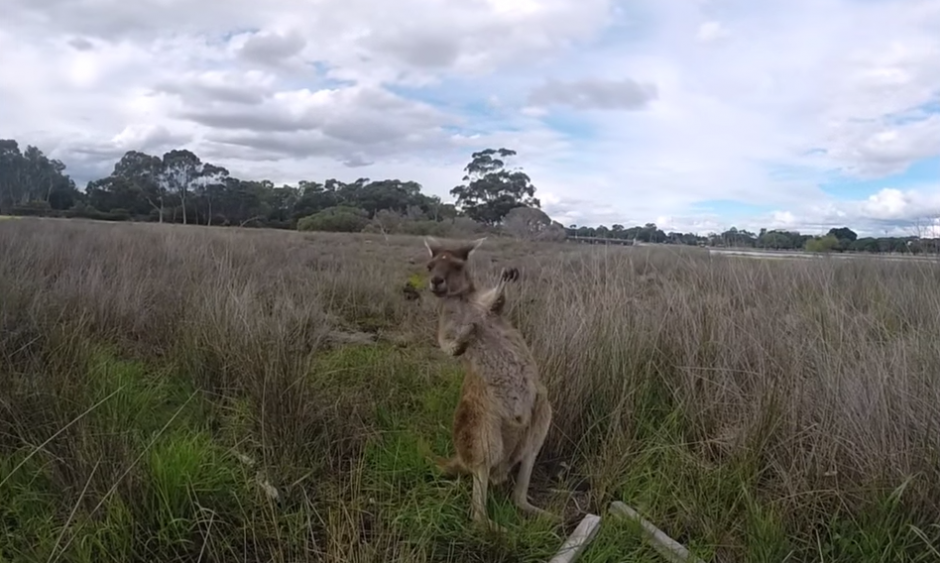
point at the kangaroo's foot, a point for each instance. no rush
(531, 510)
(478, 501)
(485, 523)
(520, 494)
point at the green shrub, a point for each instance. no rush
(340, 219)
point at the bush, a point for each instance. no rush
(32, 208)
(827, 243)
(339, 219)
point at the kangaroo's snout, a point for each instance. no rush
(437, 284)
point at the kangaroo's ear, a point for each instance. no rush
(467, 249)
(433, 245)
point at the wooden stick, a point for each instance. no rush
(578, 540)
(666, 546)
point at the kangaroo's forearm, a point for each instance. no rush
(493, 300)
(457, 344)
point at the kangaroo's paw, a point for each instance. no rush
(509, 274)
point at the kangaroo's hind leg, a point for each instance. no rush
(534, 438)
(478, 444)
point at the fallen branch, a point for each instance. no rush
(578, 540)
(666, 546)
(249, 220)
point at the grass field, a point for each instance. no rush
(158, 384)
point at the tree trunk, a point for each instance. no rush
(159, 209)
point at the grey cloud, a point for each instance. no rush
(247, 95)
(364, 130)
(383, 44)
(276, 146)
(355, 126)
(361, 116)
(271, 48)
(155, 138)
(89, 160)
(590, 93)
(356, 161)
(235, 119)
(304, 144)
(380, 99)
(420, 49)
(151, 140)
(96, 151)
(84, 170)
(116, 19)
(111, 21)
(467, 36)
(213, 149)
(81, 44)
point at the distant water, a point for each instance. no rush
(790, 254)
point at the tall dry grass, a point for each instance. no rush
(755, 409)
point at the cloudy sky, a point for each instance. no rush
(694, 114)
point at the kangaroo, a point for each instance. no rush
(504, 413)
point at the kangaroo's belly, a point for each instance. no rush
(510, 375)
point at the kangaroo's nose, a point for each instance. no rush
(437, 280)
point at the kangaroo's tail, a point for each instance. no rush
(451, 467)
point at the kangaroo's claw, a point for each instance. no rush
(509, 274)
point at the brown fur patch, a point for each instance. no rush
(467, 421)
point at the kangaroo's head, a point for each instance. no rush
(447, 267)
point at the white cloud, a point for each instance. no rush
(889, 211)
(783, 219)
(711, 31)
(889, 203)
(879, 148)
(622, 112)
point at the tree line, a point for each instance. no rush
(837, 239)
(180, 187)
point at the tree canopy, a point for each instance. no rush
(29, 178)
(492, 191)
(180, 187)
